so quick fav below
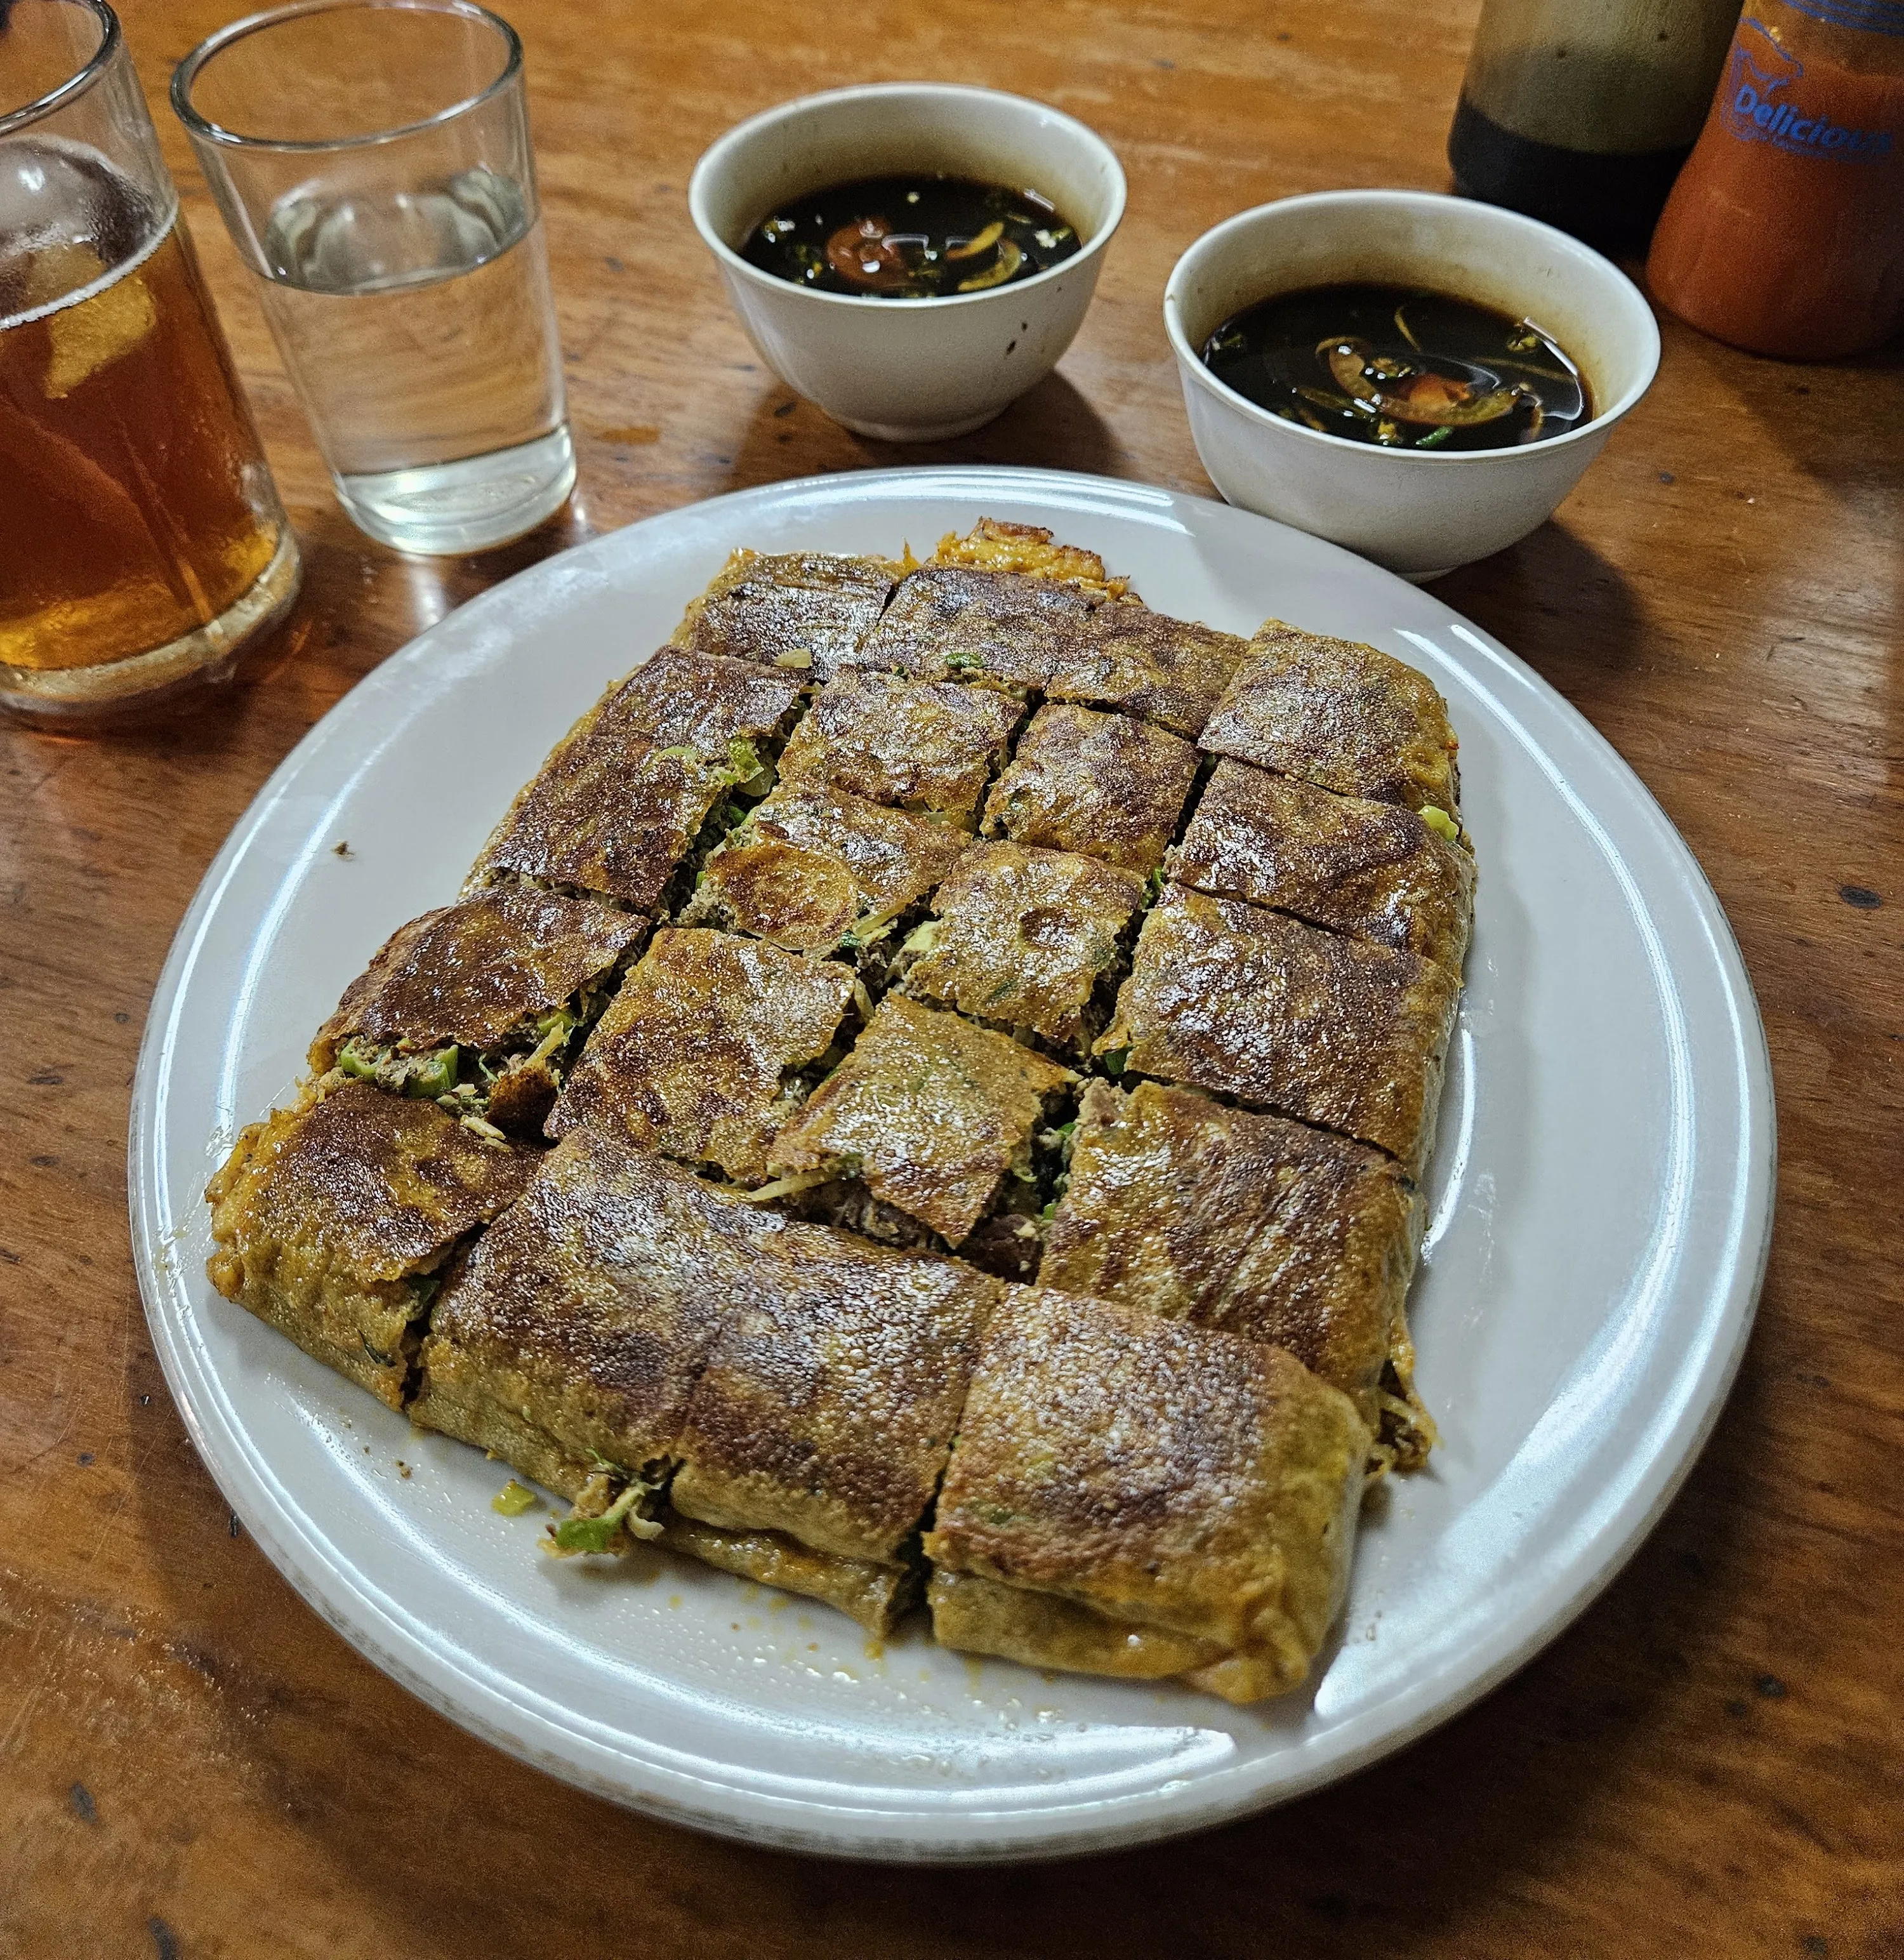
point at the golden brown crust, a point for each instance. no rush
(918, 746)
(1107, 785)
(994, 544)
(928, 1112)
(805, 901)
(367, 1332)
(806, 612)
(629, 1319)
(1147, 1482)
(1024, 934)
(1335, 712)
(1252, 1224)
(325, 1215)
(702, 702)
(1373, 870)
(470, 973)
(573, 1337)
(827, 1405)
(619, 801)
(380, 1185)
(1251, 1004)
(1167, 1477)
(1042, 1629)
(614, 819)
(876, 1595)
(1172, 672)
(1002, 628)
(812, 864)
(692, 1056)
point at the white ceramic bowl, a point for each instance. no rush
(1419, 515)
(908, 370)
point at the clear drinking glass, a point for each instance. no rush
(372, 160)
(141, 542)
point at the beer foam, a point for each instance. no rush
(61, 202)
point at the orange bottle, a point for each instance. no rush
(1784, 233)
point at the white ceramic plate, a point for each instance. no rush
(1601, 1210)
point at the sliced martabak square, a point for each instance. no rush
(1254, 1225)
(775, 1398)
(823, 1418)
(1131, 1497)
(334, 1222)
(1373, 870)
(485, 1003)
(949, 622)
(928, 1114)
(620, 802)
(1021, 937)
(805, 612)
(814, 868)
(1107, 785)
(705, 704)
(1255, 1005)
(1172, 672)
(1341, 714)
(711, 1044)
(571, 1340)
(928, 746)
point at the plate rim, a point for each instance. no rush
(346, 1600)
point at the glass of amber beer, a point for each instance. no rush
(142, 544)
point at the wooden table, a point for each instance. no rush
(1709, 1763)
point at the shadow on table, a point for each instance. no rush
(1860, 467)
(1555, 601)
(1050, 427)
(1801, 414)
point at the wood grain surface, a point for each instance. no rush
(192, 1765)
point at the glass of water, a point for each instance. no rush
(371, 158)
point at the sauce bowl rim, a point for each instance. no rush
(719, 153)
(1190, 359)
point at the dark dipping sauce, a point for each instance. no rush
(1401, 367)
(911, 237)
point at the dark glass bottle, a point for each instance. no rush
(1581, 111)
